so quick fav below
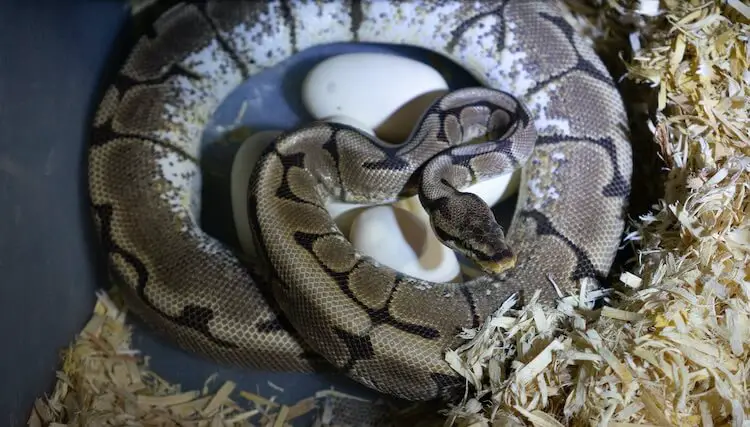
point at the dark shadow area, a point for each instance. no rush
(53, 54)
(121, 45)
(216, 161)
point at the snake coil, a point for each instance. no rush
(546, 98)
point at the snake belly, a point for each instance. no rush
(383, 329)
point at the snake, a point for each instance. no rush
(308, 300)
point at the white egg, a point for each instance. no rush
(353, 122)
(399, 239)
(242, 166)
(368, 87)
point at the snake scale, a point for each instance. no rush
(309, 296)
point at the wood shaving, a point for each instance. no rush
(673, 348)
(104, 382)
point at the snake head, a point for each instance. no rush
(465, 223)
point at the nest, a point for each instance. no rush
(670, 348)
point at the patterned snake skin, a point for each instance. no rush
(385, 330)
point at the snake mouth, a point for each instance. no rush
(500, 265)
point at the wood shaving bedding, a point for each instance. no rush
(673, 347)
(104, 382)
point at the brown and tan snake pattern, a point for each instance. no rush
(309, 293)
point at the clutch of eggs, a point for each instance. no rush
(383, 95)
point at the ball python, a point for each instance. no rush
(309, 296)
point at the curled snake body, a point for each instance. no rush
(309, 293)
